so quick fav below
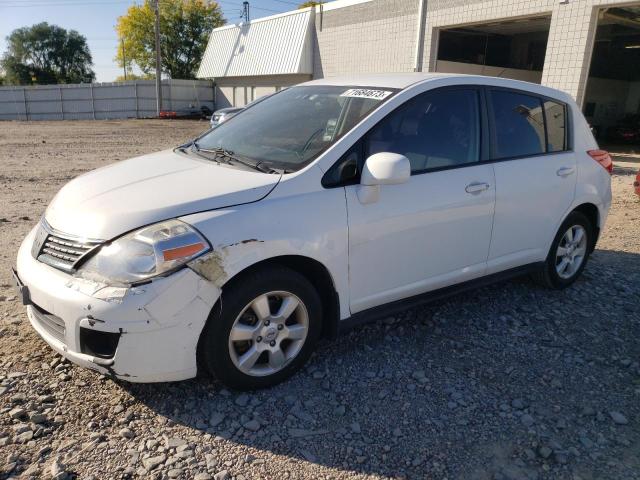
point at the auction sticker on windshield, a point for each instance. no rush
(366, 93)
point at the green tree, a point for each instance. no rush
(44, 54)
(308, 4)
(185, 26)
(133, 76)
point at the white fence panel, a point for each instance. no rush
(134, 99)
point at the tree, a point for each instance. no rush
(133, 76)
(44, 54)
(308, 4)
(185, 26)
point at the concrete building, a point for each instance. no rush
(589, 48)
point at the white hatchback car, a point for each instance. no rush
(317, 208)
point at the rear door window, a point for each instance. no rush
(518, 122)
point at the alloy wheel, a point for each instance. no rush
(571, 251)
(269, 333)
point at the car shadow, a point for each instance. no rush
(432, 389)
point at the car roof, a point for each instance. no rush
(229, 110)
(388, 80)
(406, 80)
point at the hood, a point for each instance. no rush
(126, 195)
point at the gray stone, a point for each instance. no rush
(126, 433)
(252, 425)
(18, 398)
(174, 442)
(545, 452)
(242, 401)
(57, 470)
(527, 420)
(223, 475)
(24, 437)
(216, 419)
(18, 413)
(618, 418)
(174, 473)
(152, 462)
(38, 418)
(202, 476)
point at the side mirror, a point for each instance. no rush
(384, 168)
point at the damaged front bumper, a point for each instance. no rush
(147, 333)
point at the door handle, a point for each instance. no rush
(476, 187)
(565, 171)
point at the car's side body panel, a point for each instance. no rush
(301, 218)
(421, 235)
(531, 199)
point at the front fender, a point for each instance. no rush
(312, 225)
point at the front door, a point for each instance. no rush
(435, 230)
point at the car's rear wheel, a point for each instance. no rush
(263, 330)
(569, 252)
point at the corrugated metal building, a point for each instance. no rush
(254, 59)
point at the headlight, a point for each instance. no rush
(145, 253)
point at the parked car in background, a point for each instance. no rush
(327, 204)
(223, 114)
(626, 131)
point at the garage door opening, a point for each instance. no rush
(509, 49)
(612, 97)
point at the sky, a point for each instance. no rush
(96, 20)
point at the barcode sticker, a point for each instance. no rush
(366, 93)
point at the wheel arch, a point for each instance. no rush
(317, 274)
(592, 213)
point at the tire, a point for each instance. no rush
(248, 309)
(552, 274)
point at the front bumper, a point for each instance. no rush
(155, 326)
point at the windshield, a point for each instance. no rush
(291, 128)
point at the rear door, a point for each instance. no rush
(535, 173)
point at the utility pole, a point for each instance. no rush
(158, 61)
(245, 11)
(124, 62)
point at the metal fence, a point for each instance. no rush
(100, 101)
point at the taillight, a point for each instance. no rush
(603, 158)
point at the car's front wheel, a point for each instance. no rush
(263, 329)
(569, 252)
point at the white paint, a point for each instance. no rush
(148, 189)
(277, 45)
(430, 232)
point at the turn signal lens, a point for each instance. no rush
(182, 252)
(603, 158)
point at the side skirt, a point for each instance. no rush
(374, 313)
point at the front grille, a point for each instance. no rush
(53, 325)
(59, 250)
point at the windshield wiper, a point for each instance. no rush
(228, 156)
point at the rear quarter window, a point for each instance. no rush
(555, 115)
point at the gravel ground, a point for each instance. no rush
(508, 382)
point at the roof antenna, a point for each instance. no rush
(245, 11)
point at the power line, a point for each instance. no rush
(288, 3)
(85, 3)
(75, 4)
